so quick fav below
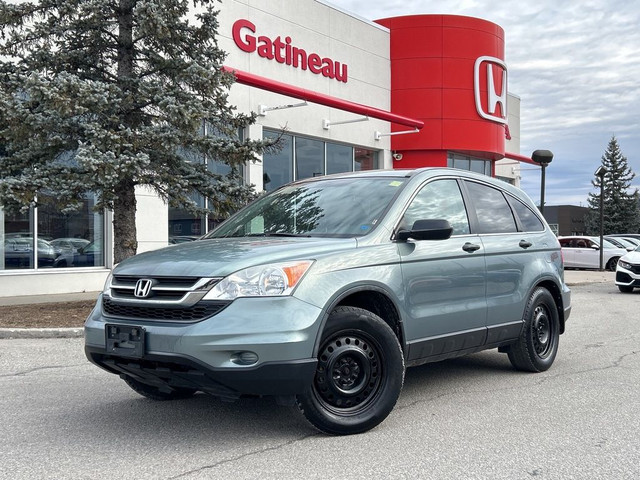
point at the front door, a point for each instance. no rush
(444, 280)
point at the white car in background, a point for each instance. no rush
(628, 272)
(584, 252)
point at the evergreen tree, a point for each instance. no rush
(104, 95)
(621, 208)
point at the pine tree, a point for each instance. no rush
(105, 95)
(621, 208)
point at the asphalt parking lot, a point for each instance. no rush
(472, 417)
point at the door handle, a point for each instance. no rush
(470, 247)
(525, 244)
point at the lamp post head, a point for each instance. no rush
(543, 157)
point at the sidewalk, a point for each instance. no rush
(572, 278)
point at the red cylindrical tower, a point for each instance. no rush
(448, 71)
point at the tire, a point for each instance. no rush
(537, 346)
(154, 393)
(612, 263)
(625, 289)
(366, 365)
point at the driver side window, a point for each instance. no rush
(440, 199)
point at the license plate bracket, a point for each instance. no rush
(125, 340)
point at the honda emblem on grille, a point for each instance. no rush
(143, 288)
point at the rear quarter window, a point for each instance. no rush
(529, 221)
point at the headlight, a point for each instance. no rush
(273, 280)
(626, 265)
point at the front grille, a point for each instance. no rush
(193, 313)
(163, 288)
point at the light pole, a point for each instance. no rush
(601, 172)
(542, 157)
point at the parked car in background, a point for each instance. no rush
(621, 242)
(632, 240)
(628, 271)
(18, 253)
(67, 248)
(321, 292)
(584, 252)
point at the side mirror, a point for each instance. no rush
(434, 229)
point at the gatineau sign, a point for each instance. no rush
(282, 51)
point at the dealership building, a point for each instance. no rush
(349, 94)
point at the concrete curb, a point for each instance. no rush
(15, 333)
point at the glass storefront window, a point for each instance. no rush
(16, 241)
(63, 239)
(312, 158)
(185, 226)
(464, 162)
(278, 166)
(339, 158)
(309, 158)
(365, 159)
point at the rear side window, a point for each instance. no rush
(493, 211)
(529, 221)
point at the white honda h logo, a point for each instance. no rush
(488, 65)
(143, 288)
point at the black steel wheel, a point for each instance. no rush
(359, 375)
(154, 393)
(537, 346)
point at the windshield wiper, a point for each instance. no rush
(285, 234)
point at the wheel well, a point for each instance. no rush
(557, 296)
(381, 305)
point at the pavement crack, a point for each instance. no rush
(39, 369)
(240, 457)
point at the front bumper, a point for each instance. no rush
(628, 277)
(173, 371)
(280, 333)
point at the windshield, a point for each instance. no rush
(343, 207)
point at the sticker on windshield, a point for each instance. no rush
(395, 183)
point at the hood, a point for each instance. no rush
(632, 257)
(220, 257)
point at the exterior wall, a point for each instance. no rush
(152, 219)
(317, 28)
(569, 219)
(508, 168)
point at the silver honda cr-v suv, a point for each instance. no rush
(322, 292)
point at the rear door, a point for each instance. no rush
(515, 244)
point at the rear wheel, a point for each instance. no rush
(537, 346)
(359, 375)
(154, 393)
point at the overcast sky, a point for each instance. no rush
(575, 66)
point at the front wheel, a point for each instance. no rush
(359, 375)
(625, 289)
(612, 263)
(537, 346)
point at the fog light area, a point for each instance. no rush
(244, 358)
